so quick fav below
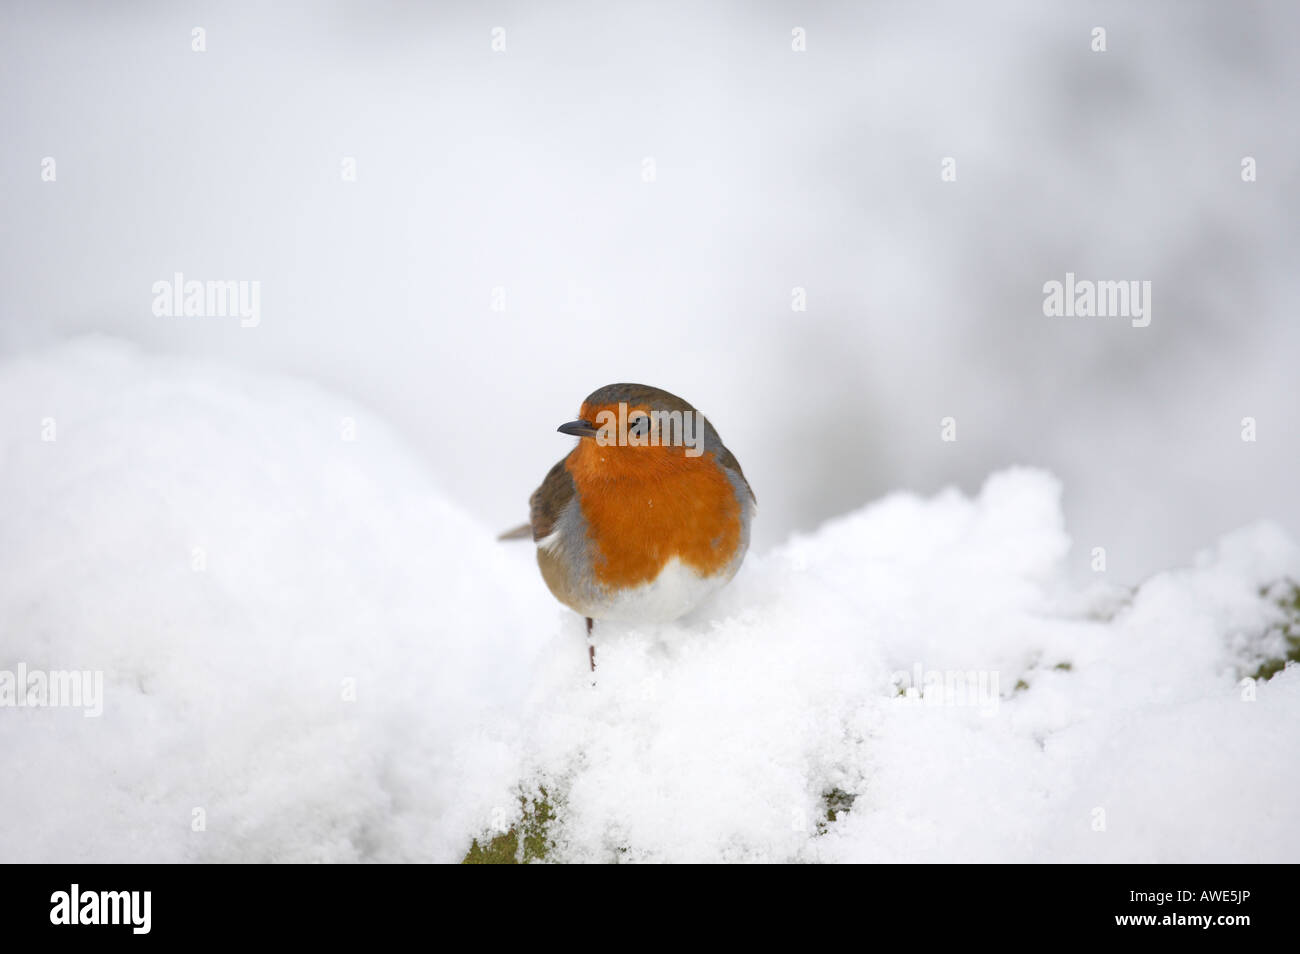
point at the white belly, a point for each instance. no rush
(674, 592)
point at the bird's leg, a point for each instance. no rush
(591, 647)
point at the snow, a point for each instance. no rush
(349, 668)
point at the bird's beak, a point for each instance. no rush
(578, 429)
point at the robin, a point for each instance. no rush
(646, 516)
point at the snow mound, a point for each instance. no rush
(309, 655)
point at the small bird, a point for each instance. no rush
(646, 516)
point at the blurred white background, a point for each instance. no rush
(522, 170)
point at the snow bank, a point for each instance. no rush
(309, 655)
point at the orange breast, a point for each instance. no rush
(646, 505)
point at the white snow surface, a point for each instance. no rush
(328, 565)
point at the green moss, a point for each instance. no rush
(1020, 686)
(1285, 595)
(1064, 666)
(501, 850)
(838, 802)
(507, 849)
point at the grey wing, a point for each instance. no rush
(728, 461)
(549, 500)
